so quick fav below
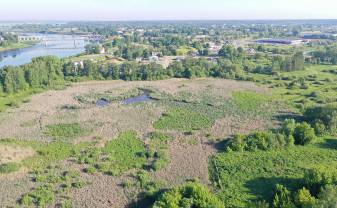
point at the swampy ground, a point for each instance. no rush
(61, 148)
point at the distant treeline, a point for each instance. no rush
(48, 71)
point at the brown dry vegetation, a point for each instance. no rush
(188, 154)
(14, 154)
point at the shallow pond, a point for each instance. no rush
(102, 102)
(145, 97)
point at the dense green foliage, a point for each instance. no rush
(46, 153)
(246, 176)
(324, 118)
(249, 101)
(41, 72)
(259, 141)
(66, 131)
(319, 187)
(189, 195)
(182, 119)
(53, 185)
(117, 156)
(157, 149)
(126, 152)
(289, 134)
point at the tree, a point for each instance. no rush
(190, 195)
(327, 197)
(13, 79)
(304, 199)
(304, 134)
(326, 114)
(298, 61)
(228, 52)
(317, 178)
(282, 197)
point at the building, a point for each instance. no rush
(214, 48)
(153, 58)
(102, 50)
(2, 39)
(280, 41)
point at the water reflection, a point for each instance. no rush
(51, 44)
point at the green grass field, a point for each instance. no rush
(301, 89)
(241, 177)
(182, 119)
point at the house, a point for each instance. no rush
(79, 64)
(102, 50)
(153, 58)
(214, 48)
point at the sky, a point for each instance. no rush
(32, 10)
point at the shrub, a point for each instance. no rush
(318, 177)
(303, 198)
(90, 170)
(78, 184)
(327, 114)
(237, 143)
(282, 197)
(304, 134)
(71, 130)
(9, 168)
(41, 197)
(189, 195)
(263, 140)
(319, 127)
(288, 127)
(327, 197)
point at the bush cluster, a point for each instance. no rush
(319, 190)
(291, 133)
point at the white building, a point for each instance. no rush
(153, 58)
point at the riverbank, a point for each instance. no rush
(16, 46)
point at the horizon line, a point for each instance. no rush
(169, 20)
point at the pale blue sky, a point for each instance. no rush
(166, 9)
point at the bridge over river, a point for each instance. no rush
(48, 44)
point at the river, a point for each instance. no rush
(51, 44)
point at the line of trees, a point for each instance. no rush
(7, 39)
(48, 71)
(40, 73)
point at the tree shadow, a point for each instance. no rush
(145, 200)
(281, 116)
(329, 144)
(219, 146)
(263, 187)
